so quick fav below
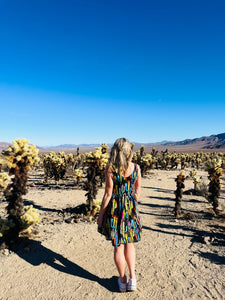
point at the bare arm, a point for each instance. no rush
(107, 195)
(138, 183)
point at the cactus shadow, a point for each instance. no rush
(39, 207)
(39, 254)
(213, 257)
(159, 189)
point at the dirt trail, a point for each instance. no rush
(73, 261)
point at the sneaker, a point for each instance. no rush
(122, 286)
(132, 285)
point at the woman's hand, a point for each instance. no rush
(99, 220)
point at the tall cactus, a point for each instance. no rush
(20, 157)
(213, 166)
(179, 192)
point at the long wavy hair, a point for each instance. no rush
(121, 154)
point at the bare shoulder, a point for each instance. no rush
(138, 168)
(109, 171)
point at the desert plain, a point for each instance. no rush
(176, 258)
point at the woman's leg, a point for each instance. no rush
(129, 252)
(120, 261)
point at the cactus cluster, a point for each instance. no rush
(196, 179)
(4, 180)
(29, 218)
(19, 157)
(166, 160)
(213, 166)
(78, 175)
(56, 164)
(96, 163)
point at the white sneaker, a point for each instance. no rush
(122, 286)
(132, 285)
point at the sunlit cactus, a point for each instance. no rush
(20, 156)
(183, 160)
(154, 152)
(104, 147)
(142, 150)
(4, 180)
(179, 192)
(196, 179)
(175, 160)
(29, 218)
(132, 146)
(145, 163)
(96, 162)
(55, 165)
(78, 175)
(213, 166)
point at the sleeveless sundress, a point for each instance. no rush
(121, 222)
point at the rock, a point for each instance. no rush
(6, 252)
(69, 220)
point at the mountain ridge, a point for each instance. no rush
(211, 142)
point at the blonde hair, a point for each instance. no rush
(121, 154)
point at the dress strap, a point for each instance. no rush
(115, 169)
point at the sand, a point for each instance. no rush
(176, 259)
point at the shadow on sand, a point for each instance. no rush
(39, 254)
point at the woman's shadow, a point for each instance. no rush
(39, 254)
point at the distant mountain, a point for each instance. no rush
(205, 142)
(71, 146)
(151, 144)
(212, 142)
(3, 146)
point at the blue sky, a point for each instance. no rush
(90, 71)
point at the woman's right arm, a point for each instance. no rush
(107, 195)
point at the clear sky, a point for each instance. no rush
(90, 71)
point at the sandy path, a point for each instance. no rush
(73, 261)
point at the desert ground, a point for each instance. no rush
(176, 258)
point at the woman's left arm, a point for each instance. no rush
(138, 183)
(107, 195)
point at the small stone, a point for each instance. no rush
(6, 252)
(69, 220)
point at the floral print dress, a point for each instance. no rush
(121, 222)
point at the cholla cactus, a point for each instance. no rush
(78, 175)
(55, 165)
(142, 150)
(4, 180)
(96, 162)
(196, 179)
(145, 163)
(179, 192)
(5, 226)
(213, 166)
(104, 147)
(29, 218)
(20, 157)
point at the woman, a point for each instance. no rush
(118, 219)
